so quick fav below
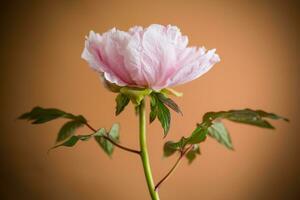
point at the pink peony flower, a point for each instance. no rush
(155, 57)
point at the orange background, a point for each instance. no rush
(258, 43)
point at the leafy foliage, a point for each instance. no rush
(39, 115)
(73, 140)
(218, 131)
(171, 147)
(159, 104)
(192, 153)
(122, 101)
(68, 130)
(169, 102)
(99, 136)
(105, 144)
(213, 127)
(66, 135)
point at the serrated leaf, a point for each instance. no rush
(40, 115)
(106, 145)
(68, 130)
(220, 133)
(169, 102)
(192, 153)
(121, 102)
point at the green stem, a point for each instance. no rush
(144, 152)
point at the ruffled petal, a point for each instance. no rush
(155, 57)
(194, 65)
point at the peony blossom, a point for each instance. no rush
(155, 57)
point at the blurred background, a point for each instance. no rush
(41, 44)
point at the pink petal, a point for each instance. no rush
(155, 57)
(195, 64)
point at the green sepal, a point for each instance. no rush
(110, 86)
(170, 91)
(136, 95)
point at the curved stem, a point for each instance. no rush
(182, 153)
(113, 142)
(144, 152)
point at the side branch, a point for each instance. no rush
(114, 143)
(182, 153)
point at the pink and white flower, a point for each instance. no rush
(155, 57)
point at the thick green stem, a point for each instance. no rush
(144, 152)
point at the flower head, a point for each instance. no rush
(155, 57)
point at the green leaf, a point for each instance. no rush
(106, 145)
(122, 101)
(198, 135)
(246, 116)
(114, 132)
(73, 140)
(169, 102)
(153, 108)
(163, 115)
(170, 148)
(212, 126)
(192, 153)
(220, 133)
(159, 110)
(40, 115)
(68, 130)
(270, 115)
